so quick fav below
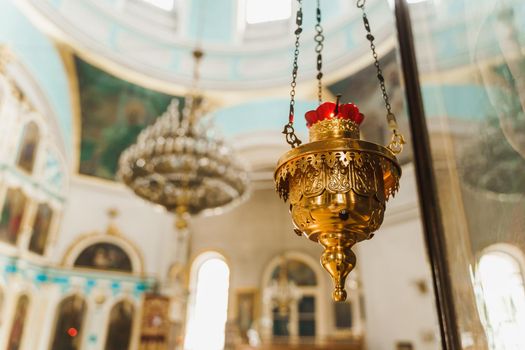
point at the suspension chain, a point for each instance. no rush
(319, 39)
(397, 141)
(291, 137)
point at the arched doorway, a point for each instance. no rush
(69, 321)
(120, 327)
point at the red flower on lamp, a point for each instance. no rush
(330, 110)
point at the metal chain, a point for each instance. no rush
(397, 141)
(291, 137)
(319, 39)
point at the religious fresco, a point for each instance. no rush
(113, 113)
(120, 326)
(41, 225)
(18, 325)
(104, 256)
(12, 215)
(28, 147)
(69, 320)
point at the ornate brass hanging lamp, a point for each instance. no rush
(337, 184)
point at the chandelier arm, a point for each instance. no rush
(397, 141)
(319, 39)
(289, 131)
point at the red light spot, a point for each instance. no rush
(73, 332)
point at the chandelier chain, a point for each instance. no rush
(397, 141)
(289, 131)
(319, 39)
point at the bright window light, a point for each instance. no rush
(207, 319)
(503, 298)
(166, 5)
(260, 11)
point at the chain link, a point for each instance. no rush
(397, 141)
(291, 137)
(319, 39)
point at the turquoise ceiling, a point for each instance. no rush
(38, 53)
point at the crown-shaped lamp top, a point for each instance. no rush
(334, 120)
(330, 110)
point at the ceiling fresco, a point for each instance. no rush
(113, 112)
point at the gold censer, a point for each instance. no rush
(337, 184)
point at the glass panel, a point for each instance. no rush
(120, 326)
(307, 316)
(41, 226)
(12, 215)
(280, 323)
(70, 316)
(343, 315)
(472, 70)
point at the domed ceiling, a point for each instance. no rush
(114, 111)
(152, 46)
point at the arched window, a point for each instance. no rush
(18, 325)
(68, 326)
(290, 297)
(104, 256)
(12, 215)
(502, 296)
(166, 5)
(41, 225)
(208, 308)
(303, 276)
(262, 11)
(120, 326)
(28, 148)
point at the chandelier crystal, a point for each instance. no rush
(182, 164)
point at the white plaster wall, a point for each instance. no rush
(249, 237)
(150, 229)
(390, 265)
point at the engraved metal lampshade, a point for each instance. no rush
(337, 184)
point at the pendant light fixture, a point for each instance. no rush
(183, 165)
(337, 184)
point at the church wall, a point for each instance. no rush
(397, 285)
(148, 229)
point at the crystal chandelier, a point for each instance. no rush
(337, 184)
(282, 292)
(182, 164)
